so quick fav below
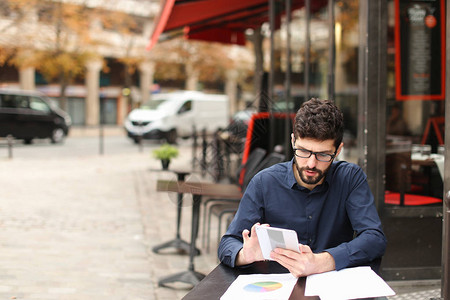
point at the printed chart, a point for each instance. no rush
(262, 286)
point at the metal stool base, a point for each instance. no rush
(189, 277)
(178, 244)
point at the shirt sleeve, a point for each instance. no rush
(369, 243)
(250, 212)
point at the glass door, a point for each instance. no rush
(414, 160)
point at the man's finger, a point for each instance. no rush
(254, 228)
(245, 233)
(285, 252)
(305, 249)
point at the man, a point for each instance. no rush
(329, 204)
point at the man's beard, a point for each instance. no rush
(309, 179)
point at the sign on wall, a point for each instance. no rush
(420, 49)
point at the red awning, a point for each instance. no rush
(214, 20)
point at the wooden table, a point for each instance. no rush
(197, 190)
(217, 282)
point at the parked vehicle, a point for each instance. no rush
(172, 115)
(28, 114)
(239, 122)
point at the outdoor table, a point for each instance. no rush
(430, 163)
(197, 190)
(217, 282)
(430, 160)
(177, 243)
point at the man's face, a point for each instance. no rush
(311, 170)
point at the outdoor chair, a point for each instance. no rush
(223, 207)
(252, 162)
(261, 126)
(271, 159)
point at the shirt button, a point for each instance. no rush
(309, 217)
(310, 241)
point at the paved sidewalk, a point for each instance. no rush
(82, 227)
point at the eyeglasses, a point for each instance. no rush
(320, 156)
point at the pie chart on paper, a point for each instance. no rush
(262, 286)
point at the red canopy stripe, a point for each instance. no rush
(194, 12)
(161, 22)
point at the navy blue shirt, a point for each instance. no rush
(337, 216)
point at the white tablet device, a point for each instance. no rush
(271, 237)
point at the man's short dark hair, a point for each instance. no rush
(320, 120)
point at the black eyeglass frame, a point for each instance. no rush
(332, 156)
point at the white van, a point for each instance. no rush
(172, 115)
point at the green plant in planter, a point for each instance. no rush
(165, 153)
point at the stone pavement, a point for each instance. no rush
(83, 226)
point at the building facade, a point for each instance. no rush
(117, 74)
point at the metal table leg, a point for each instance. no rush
(190, 276)
(177, 243)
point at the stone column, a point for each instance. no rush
(147, 69)
(231, 89)
(27, 74)
(92, 104)
(192, 77)
(27, 78)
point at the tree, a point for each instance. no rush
(125, 26)
(209, 61)
(58, 37)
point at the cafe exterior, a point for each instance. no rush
(384, 64)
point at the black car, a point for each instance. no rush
(239, 122)
(27, 115)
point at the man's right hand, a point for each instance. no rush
(250, 251)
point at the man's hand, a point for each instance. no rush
(250, 251)
(304, 263)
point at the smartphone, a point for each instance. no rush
(272, 237)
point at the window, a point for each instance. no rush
(7, 101)
(22, 101)
(187, 106)
(38, 104)
(10, 10)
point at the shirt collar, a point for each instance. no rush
(290, 178)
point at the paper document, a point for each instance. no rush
(351, 283)
(261, 286)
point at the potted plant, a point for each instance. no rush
(165, 153)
